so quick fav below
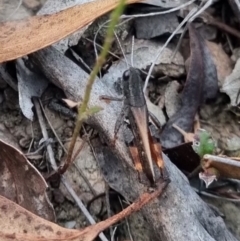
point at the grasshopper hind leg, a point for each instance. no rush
(138, 166)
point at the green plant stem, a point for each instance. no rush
(100, 61)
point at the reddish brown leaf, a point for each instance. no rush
(18, 224)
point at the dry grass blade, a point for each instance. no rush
(19, 38)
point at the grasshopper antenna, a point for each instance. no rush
(119, 43)
(132, 50)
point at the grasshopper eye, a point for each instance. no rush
(126, 75)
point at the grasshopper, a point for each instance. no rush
(145, 150)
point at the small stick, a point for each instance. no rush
(221, 160)
(228, 29)
(188, 137)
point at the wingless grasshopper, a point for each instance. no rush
(145, 150)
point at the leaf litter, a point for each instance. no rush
(165, 70)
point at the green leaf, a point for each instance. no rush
(89, 112)
(203, 143)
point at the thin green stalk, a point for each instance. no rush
(100, 61)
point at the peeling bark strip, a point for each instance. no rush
(19, 38)
(201, 84)
(179, 214)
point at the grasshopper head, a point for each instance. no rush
(132, 87)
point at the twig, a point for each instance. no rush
(120, 46)
(44, 133)
(31, 143)
(108, 207)
(50, 124)
(80, 59)
(86, 180)
(178, 44)
(113, 234)
(29, 154)
(184, 133)
(221, 160)
(207, 194)
(228, 29)
(158, 13)
(79, 150)
(201, 10)
(54, 166)
(98, 45)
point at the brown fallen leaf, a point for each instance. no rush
(22, 183)
(19, 38)
(18, 224)
(231, 85)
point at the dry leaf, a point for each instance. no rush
(201, 84)
(71, 104)
(231, 85)
(30, 84)
(19, 38)
(149, 27)
(221, 60)
(154, 109)
(22, 183)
